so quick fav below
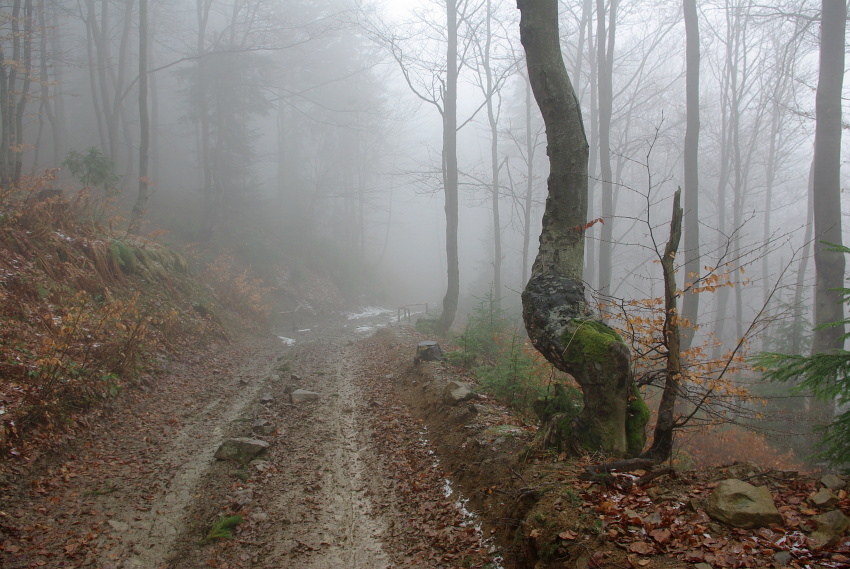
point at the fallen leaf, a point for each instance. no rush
(569, 534)
(642, 547)
(661, 535)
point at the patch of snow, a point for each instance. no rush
(287, 341)
(364, 328)
(368, 312)
(305, 330)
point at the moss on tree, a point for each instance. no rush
(637, 417)
(587, 341)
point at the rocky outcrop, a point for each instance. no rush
(742, 505)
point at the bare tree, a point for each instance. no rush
(435, 83)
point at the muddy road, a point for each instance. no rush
(140, 487)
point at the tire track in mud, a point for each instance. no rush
(149, 531)
(326, 480)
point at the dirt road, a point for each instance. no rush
(142, 488)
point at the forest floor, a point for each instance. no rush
(377, 472)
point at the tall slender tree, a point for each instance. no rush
(690, 304)
(826, 182)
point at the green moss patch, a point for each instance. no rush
(587, 341)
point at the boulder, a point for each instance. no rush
(456, 392)
(829, 528)
(742, 505)
(428, 351)
(240, 449)
(302, 395)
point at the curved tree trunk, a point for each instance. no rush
(557, 317)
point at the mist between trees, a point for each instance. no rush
(398, 147)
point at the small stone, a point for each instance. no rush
(389, 376)
(241, 449)
(832, 482)
(294, 377)
(824, 498)
(262, 427)
(259, 517)
(243, 382)
(782, 558)
(302, 395)
(266, 399)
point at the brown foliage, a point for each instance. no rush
(82, 311)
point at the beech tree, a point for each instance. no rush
(557, 316)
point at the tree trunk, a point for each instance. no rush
(529, 182)
(826, 188)
(144, 122)
(829, 265)
(450, 300)
(690, 303)
(802, 272)
(23, 94)
(605, 55)
(662, 440)
(556, 314)
(494, 165)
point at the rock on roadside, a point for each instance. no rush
(742, 505)
(241, 449)
(456, 392)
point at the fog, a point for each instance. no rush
(307, 138)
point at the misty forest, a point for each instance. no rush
(424, 283)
